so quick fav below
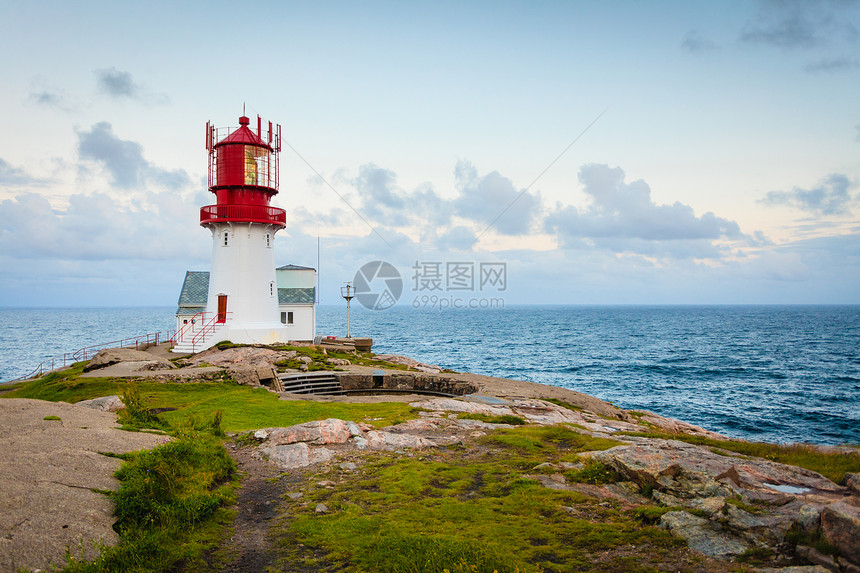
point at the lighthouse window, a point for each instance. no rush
(271, 289)
(268, 240)
(225, 238)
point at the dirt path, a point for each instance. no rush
(250, 546)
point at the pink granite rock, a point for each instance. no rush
(379, 440)
(293, 456)
(330, 431)
(840, 525)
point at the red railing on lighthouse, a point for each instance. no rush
(244, 214)
(254, 160)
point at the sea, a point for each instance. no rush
(765, 373)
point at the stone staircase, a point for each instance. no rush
(194, 341)
(317, 383)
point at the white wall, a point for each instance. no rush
(244, 270)
(297, 278)
(304, 321)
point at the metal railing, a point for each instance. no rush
(187, 328)
(136, 342)
(243, 213)
(209, 328)
(198, 328)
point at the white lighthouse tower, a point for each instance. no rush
(242, 303)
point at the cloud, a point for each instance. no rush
(95, 227)
(378, 189)
(623, 218)
(43, 94)
(830, 197)
(694, 42)
(124, 160)
(119, 85)
(17, 177)
(50, 98)
(458, 238)
(833, 65)
(801, 25)
(493, 200)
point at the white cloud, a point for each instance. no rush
(124, 161)
(694, 42)
(832, 65)
(96, 228)
(119, 84)
(16, 177)
(802, 24)
(493, 200)
(623, 218)
(831, 196)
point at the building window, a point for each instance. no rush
(185, 321)
(268, 240)
(271, 289)
(289, 318)
(286, 318)
(226, 234)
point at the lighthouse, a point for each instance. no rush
(242, 300)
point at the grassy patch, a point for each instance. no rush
(65, 386)
(832, 465)
(509, 419)
(555, 441)
(564, 404)
(52, 418)
(744, 506)
(244, 408)
(650, 514)
(594, 472)
(319, 358)
(169, 507)
(798, 536)
(463, 510)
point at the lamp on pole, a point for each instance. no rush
(347, 292)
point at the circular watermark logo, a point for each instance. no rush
(378, 285)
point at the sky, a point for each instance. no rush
(600, 152)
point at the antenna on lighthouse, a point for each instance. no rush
(347, 292)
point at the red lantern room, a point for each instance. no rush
(243, 174)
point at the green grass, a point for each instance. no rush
(594, 472)
(543, 441)
(564, 404)
(509, 419)
(467, 510)
(319, 358)
(169, 507)
(65, 386)
(244, 408)
(832, 465)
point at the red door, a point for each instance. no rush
(222, 309)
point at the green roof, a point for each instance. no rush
(294, 268)
(305, 295)
(195, 289)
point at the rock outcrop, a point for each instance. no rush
(103, 404)
(140, 360)
(314, 442)
(724, 504)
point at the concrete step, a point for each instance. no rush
(311, 383)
